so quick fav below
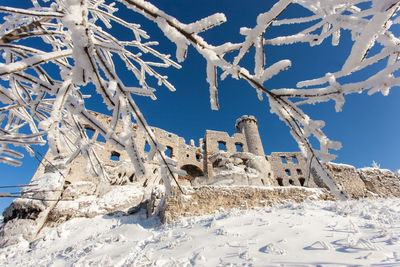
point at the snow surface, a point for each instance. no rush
(313, 233)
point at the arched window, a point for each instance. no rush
(302, 181)
(283, 159)
(299, 172)
(115, 156)
(287, 171)
(280, 181)
(294, 159)
(291, 182)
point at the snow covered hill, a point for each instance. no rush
(324, 233)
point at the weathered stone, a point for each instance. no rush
(384, 183)
(25, 217)
(118, 198)
(348, 177)
(79, 189)
(208, 199)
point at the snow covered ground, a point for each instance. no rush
(324, 233)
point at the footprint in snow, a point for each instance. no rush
(272, 249)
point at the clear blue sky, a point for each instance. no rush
(368, 126)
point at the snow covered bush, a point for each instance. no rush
(42, 81)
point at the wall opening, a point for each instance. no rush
(89, 131)
(283, 159)
(294, 160)
(302, 181)
(280, 181)
(192, 172)
(299, 172)
(147, 147)
(239, 147)
(221, 146)
(287, 171)
(115, 156)
(198, 157)
(169, 151)
(291, 182)
(100, 138)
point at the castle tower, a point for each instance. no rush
(249, 127)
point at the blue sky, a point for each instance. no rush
(368, 127)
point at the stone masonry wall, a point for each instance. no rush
(208, 199)
(289, 169)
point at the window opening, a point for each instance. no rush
(287, 171)
(115, 156)
(100, 138)
(147, 147)
(302, 181)
(299, 172)
(168, 152)
(198, 157)
(239, 147)
(291, 182)
(280, 181)
(283, 159)
(89, 131)
(294, 159)
(221, 146)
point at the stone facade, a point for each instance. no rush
(209, 199)
(223, 159)
(289, 169)
(195, 160)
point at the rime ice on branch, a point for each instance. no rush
(83, 47)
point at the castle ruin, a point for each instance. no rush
(202, 162)
(223, 172)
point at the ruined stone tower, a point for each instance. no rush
(247, 125)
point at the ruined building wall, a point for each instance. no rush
(289, 168)
(216, 141)
(278, 169)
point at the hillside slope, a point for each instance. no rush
(325, 233)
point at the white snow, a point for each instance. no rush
(313, 233)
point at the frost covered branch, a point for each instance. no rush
(78, 40)
(368, 26)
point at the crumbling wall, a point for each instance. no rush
(289, 168)
(208, 199)
(348, 177)
(212, 143)
(383, 183)
(240, 168)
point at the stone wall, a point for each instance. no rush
(212, 140)
(208, 199)
(348, 177)
(383, 183)
(289, 168)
